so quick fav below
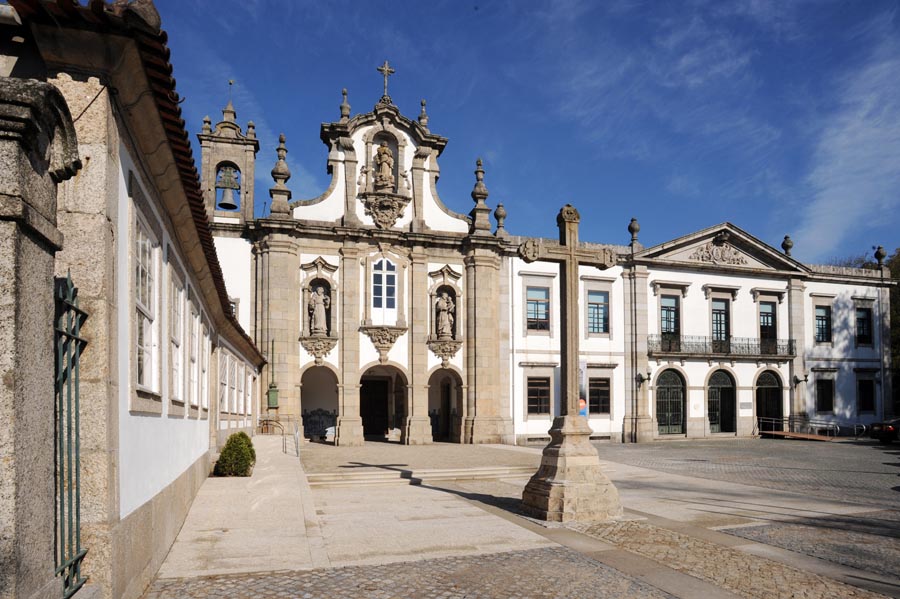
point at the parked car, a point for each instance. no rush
(885, 431)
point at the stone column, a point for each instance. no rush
(349, 429)
(38, 149)
(504, 401)
(638, 422)
(281, 318)
(417, 428)
(797, 332)
(483, 423)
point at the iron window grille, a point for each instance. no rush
(538, 395)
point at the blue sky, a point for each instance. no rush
(781, 117)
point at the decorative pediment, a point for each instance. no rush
(383, 338)
(723, 246)
(445, 276)
(320, 267)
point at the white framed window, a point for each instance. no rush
(146, 347)
(223, 381)
(239, 376)
(384, 292)
(251, 395)
(232, 385)
(537, 308)
(176, 334)
(194, 358)
(597, 312)
(204, 370)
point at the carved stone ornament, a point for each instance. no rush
(721, 253)
(444, 349)
(608, 257)
(529, 251)
(383, 338)
(384, 208)
(569, 214)
(318, 347)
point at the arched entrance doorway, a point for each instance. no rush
(769, 406)
(721, 403)
(319, 403)
(670, 403)
(382, 403)
(445, 405)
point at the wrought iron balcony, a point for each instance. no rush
(693, 345)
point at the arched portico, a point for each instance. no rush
(319, 402)
(445, 405)
(769, 401)
(383, 400)
(671, 400)
(721, 403)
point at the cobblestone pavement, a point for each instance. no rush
(741, 573)
(552, 572)
(865, 472)
(869, 541)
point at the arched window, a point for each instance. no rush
(721, 403)
(384, 292)
(228, 187)
(670, 403)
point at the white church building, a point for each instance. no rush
(384, 314)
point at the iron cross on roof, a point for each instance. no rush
(386, 71)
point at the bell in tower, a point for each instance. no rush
(227, 181)
(228, 156)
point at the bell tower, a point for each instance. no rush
(227, 162)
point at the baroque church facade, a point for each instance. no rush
(385, 314)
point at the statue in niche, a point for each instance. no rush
(384, 168)
(444, 322)
(319, 302)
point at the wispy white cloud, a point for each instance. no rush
(854, 177)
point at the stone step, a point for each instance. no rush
(410, 477)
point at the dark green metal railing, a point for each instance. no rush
(69, 345)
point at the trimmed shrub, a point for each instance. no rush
(246, 438)
(236, 458)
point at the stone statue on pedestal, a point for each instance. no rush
(319, 302)
(384, 168)
(444, 322)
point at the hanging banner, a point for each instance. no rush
(582, 388)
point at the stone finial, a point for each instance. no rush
(423, 116)
(251, 130)
(481, 220)
(280, 194)
(207, 125)
(479, 192)
(786, 245)
(880, 255)
(634, 227)
(345, 106)
(228, 113)
(500, 215)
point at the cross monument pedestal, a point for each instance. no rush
(569, 486)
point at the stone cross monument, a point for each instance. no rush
(569, 485)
